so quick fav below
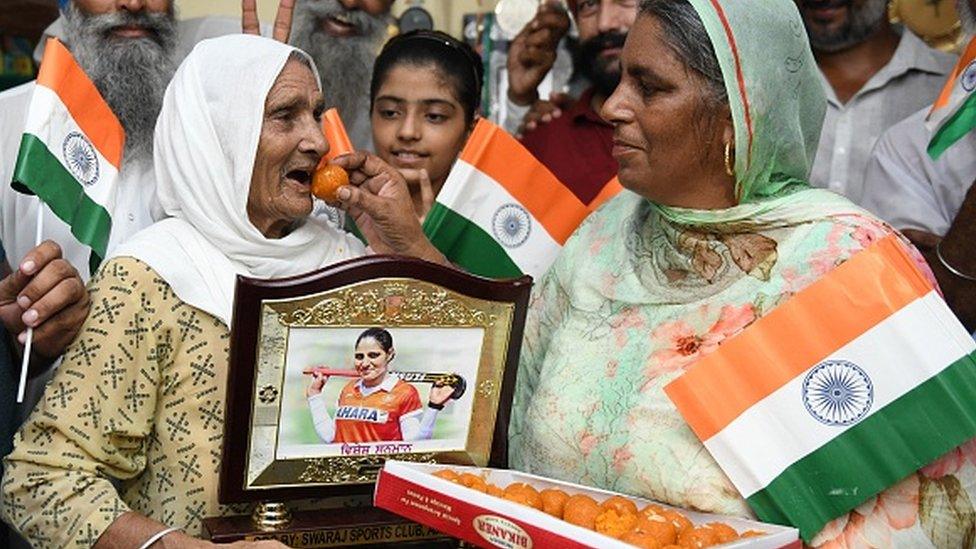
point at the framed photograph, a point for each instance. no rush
(333, 372)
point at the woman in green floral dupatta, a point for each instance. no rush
(717, 119)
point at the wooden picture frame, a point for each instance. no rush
(437, 315)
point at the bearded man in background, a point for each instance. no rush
(875, 74)
(126, 48)
(344, 37)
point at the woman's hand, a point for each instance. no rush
(315, 387)
(379, 202)
(440, 393)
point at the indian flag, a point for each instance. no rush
(954, 113)
(501, 213)
(850, 386)
(71, 150)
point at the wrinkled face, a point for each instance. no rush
(289, 149)
(668, 140)
(371, 361)
(835, 25)
(418, 122)
(603, 27)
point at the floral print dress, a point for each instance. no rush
(634, 300)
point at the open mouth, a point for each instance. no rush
(339, 25)
(301, 177)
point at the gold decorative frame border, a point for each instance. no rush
(396, 302)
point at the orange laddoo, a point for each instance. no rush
(474, 482)
(581, 510)
(644, 541)
(327, 180)
(613, 523)
(652, 509)
(680, 522)
(447, 474)
(724, 532)
(553, 501)
(620, 504)
(697, 538)
(493, 490)
(520, 492)
(659, 527)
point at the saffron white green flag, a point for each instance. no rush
(954, 113)
(71, 150)
(501, 213)
(857, 381)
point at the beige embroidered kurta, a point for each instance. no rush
(138, 399)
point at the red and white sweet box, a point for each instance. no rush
(412, 491)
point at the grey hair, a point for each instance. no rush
(685, 34)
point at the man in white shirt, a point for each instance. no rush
(127, 49)
(933, 202)
(874, 76)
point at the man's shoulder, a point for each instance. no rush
(18, 93)
(13, 106)
(925, 57)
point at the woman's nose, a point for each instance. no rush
(614, 110)
(314, 140)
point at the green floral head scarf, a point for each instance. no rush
(776, 98)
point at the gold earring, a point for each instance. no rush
(729, 159)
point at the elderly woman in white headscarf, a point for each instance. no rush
(125, 447)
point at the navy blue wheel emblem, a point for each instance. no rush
(968, 78)
(511, 225)
(80, 158)
(838, 393)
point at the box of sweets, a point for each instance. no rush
(498, 510)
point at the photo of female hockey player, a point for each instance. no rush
(377, 390)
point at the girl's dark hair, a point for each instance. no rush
(380, 335)
(459, 64)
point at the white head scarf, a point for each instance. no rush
(205, 145)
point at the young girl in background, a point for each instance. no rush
(424, 96)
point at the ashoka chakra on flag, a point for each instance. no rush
(837, 392)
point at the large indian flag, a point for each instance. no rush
(71, 149)
(850, 386)
(501, 213)
(954, 113)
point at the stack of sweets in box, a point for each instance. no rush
(652, 527)
(501, 508)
